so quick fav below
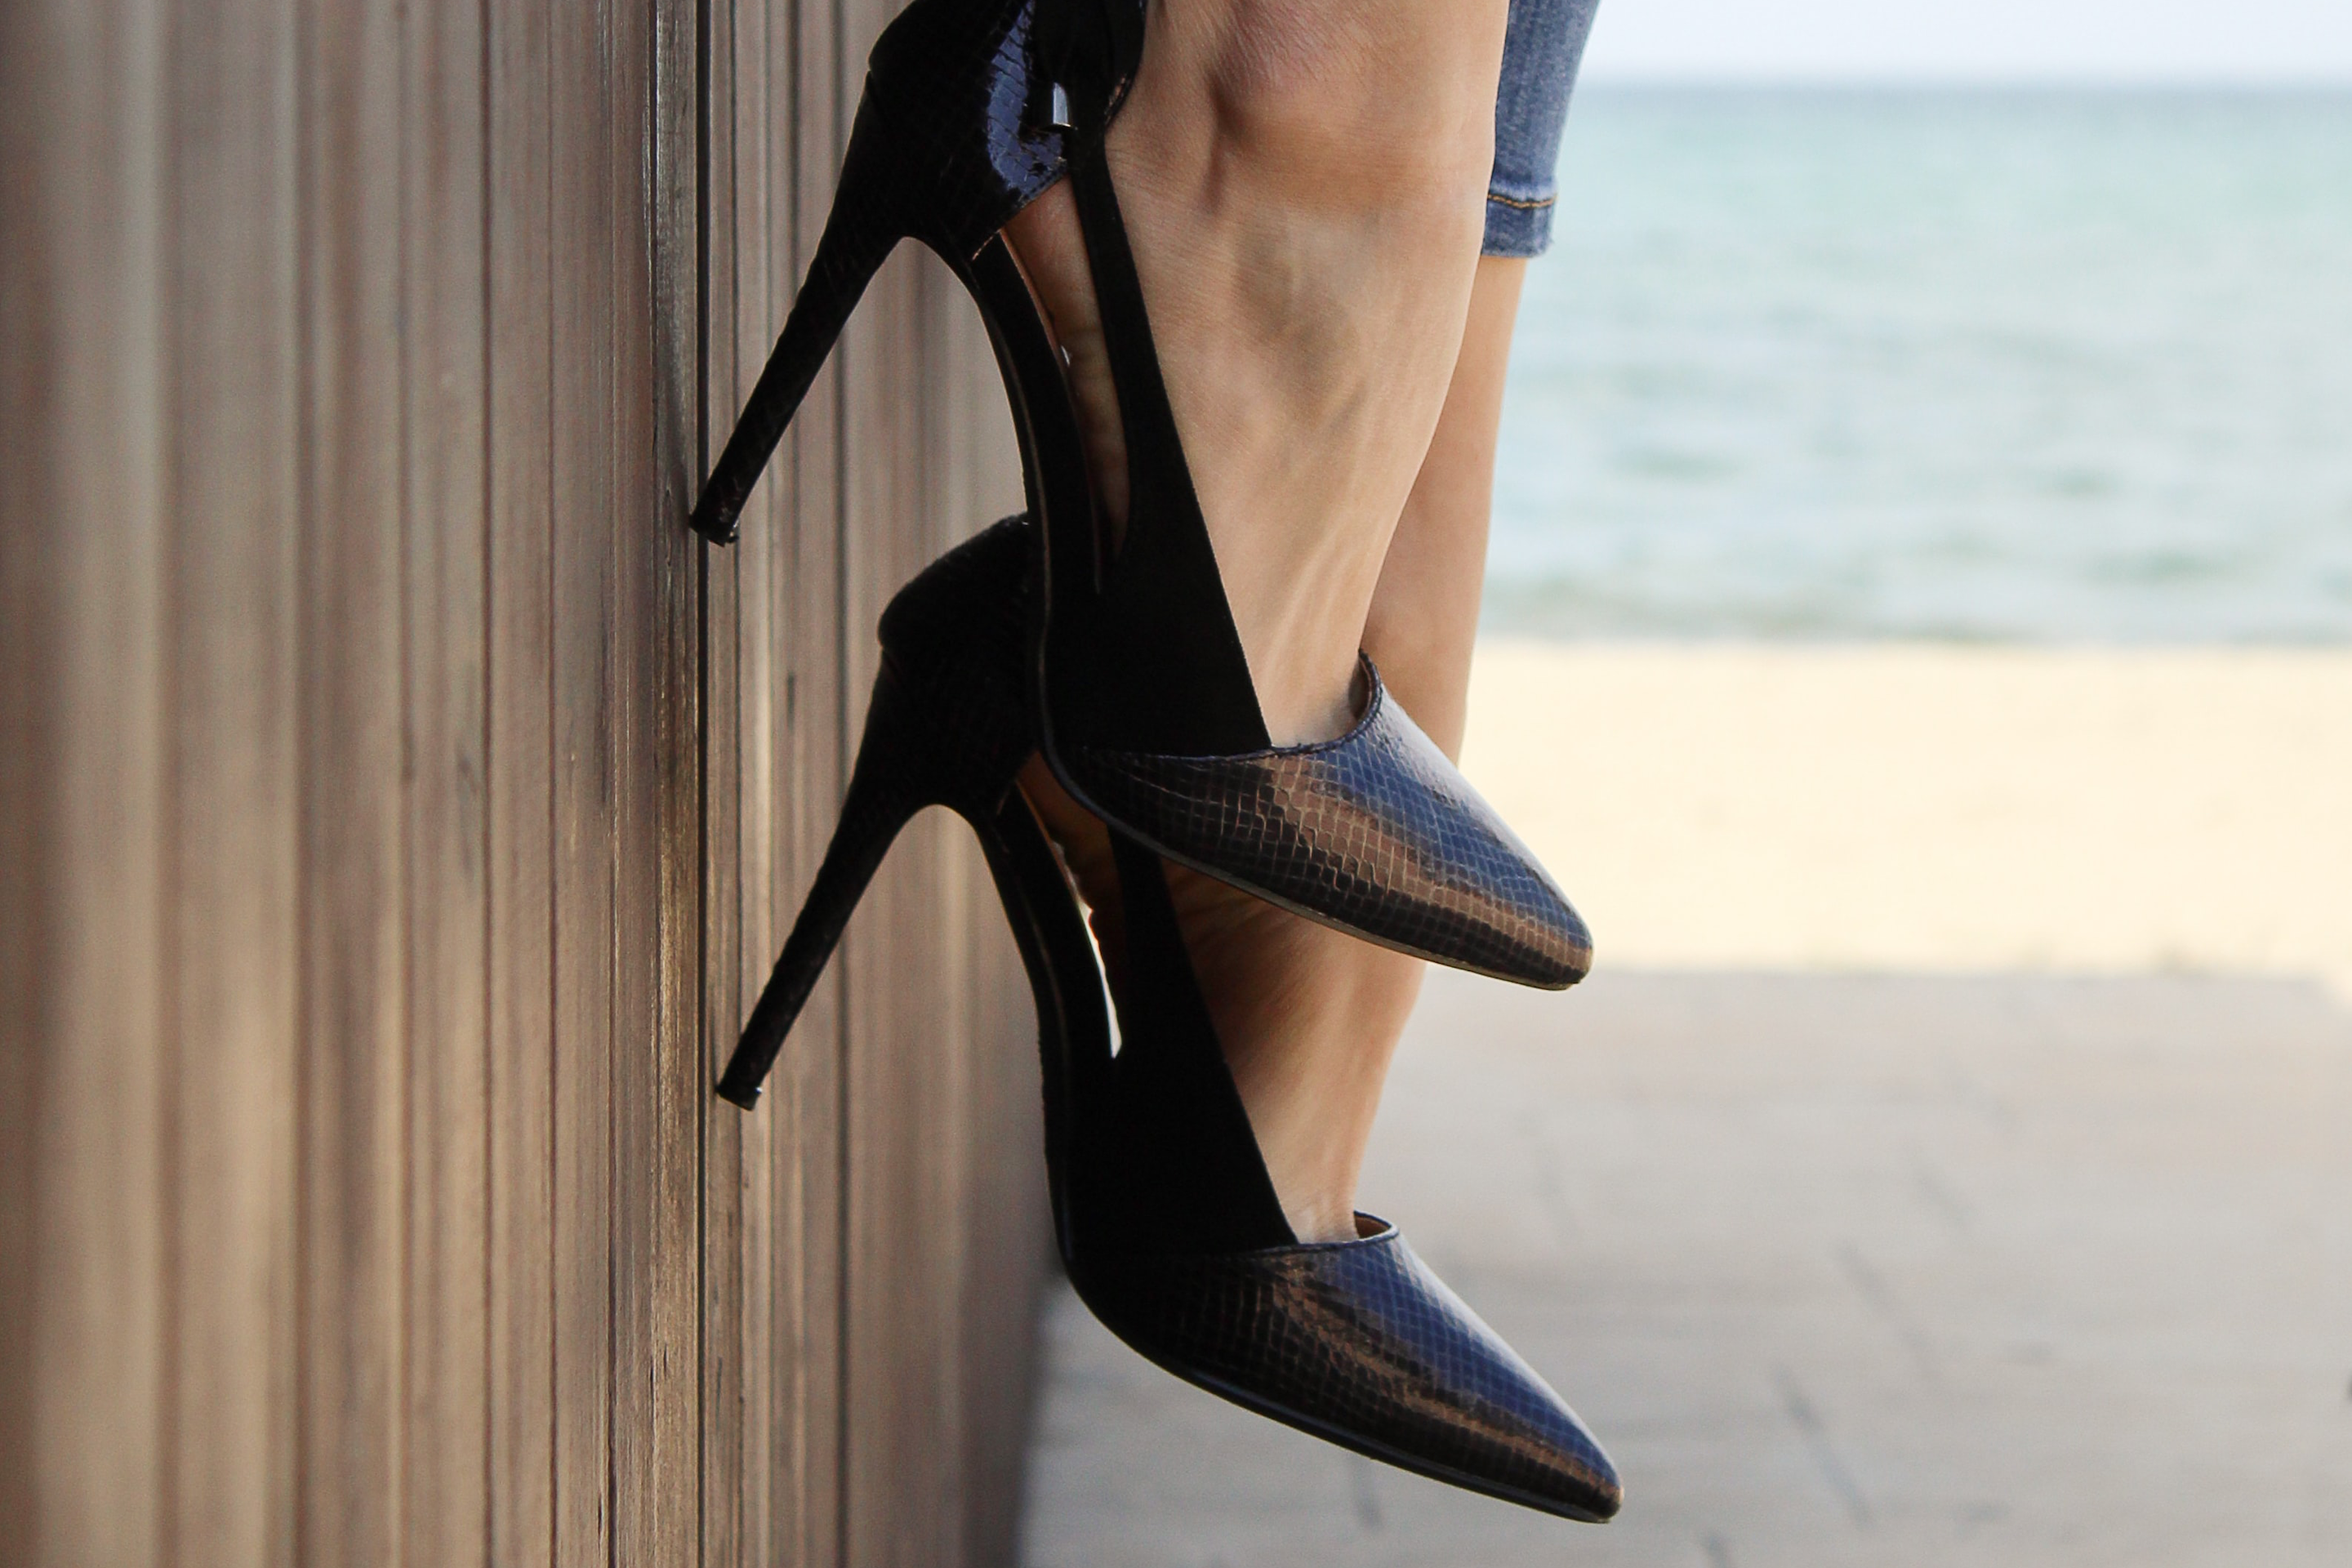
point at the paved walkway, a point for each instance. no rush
(1904, 1272)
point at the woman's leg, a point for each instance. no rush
(1424, 613)
(1305, 183)
(1295, 177)
(1311, 1016)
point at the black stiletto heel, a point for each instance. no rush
(1145, 706)
(946, 725)
(893, 780)
(859, 236)
(1166, 1222)
(963, 122)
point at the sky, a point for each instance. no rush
(2103, 40)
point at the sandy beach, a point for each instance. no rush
(1933, 808)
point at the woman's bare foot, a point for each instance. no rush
(1305, 185)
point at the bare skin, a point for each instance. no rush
(1310, 1017)
(1424, 614)
(1305, 185)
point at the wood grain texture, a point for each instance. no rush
(400, 809)
(584, 213)
(82, 563)
(232, 479)
(444, 428)
(809, 1097)
(725, 1494)
(351, 885)
(521, 1380)
(645, 1414)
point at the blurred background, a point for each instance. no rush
(1920, 636)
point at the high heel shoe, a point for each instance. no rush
(1147, 711)
(1168, 1225)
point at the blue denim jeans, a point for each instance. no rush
(1540, 51)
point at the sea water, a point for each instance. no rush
(2044, 365)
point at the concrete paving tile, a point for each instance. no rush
(1867, 1270)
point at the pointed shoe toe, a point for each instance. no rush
(1375, 831)
(1358, 1342)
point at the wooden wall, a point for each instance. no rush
(399, 809)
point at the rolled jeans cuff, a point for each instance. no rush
(1518, 223)
(1542, 45)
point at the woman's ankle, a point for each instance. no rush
(1310, 1017)
(1307, 1017)
(1304, 183)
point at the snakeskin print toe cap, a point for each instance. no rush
(1376, 832)
(1359, 1343)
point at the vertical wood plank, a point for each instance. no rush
(760, 191)
(636, 1152)
(523, 1071)
(776, 1262)
(444, 426)
(583, 213)
(637, 1155)
(747, 199)
(810, 1092)
(232, 787)
(658, 1095)
(724, 207)
(352, 887)
(82, 556)
(672, 568)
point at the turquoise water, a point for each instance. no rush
(2039, 365)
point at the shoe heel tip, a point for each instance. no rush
(744, 1096)
(719, 530)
